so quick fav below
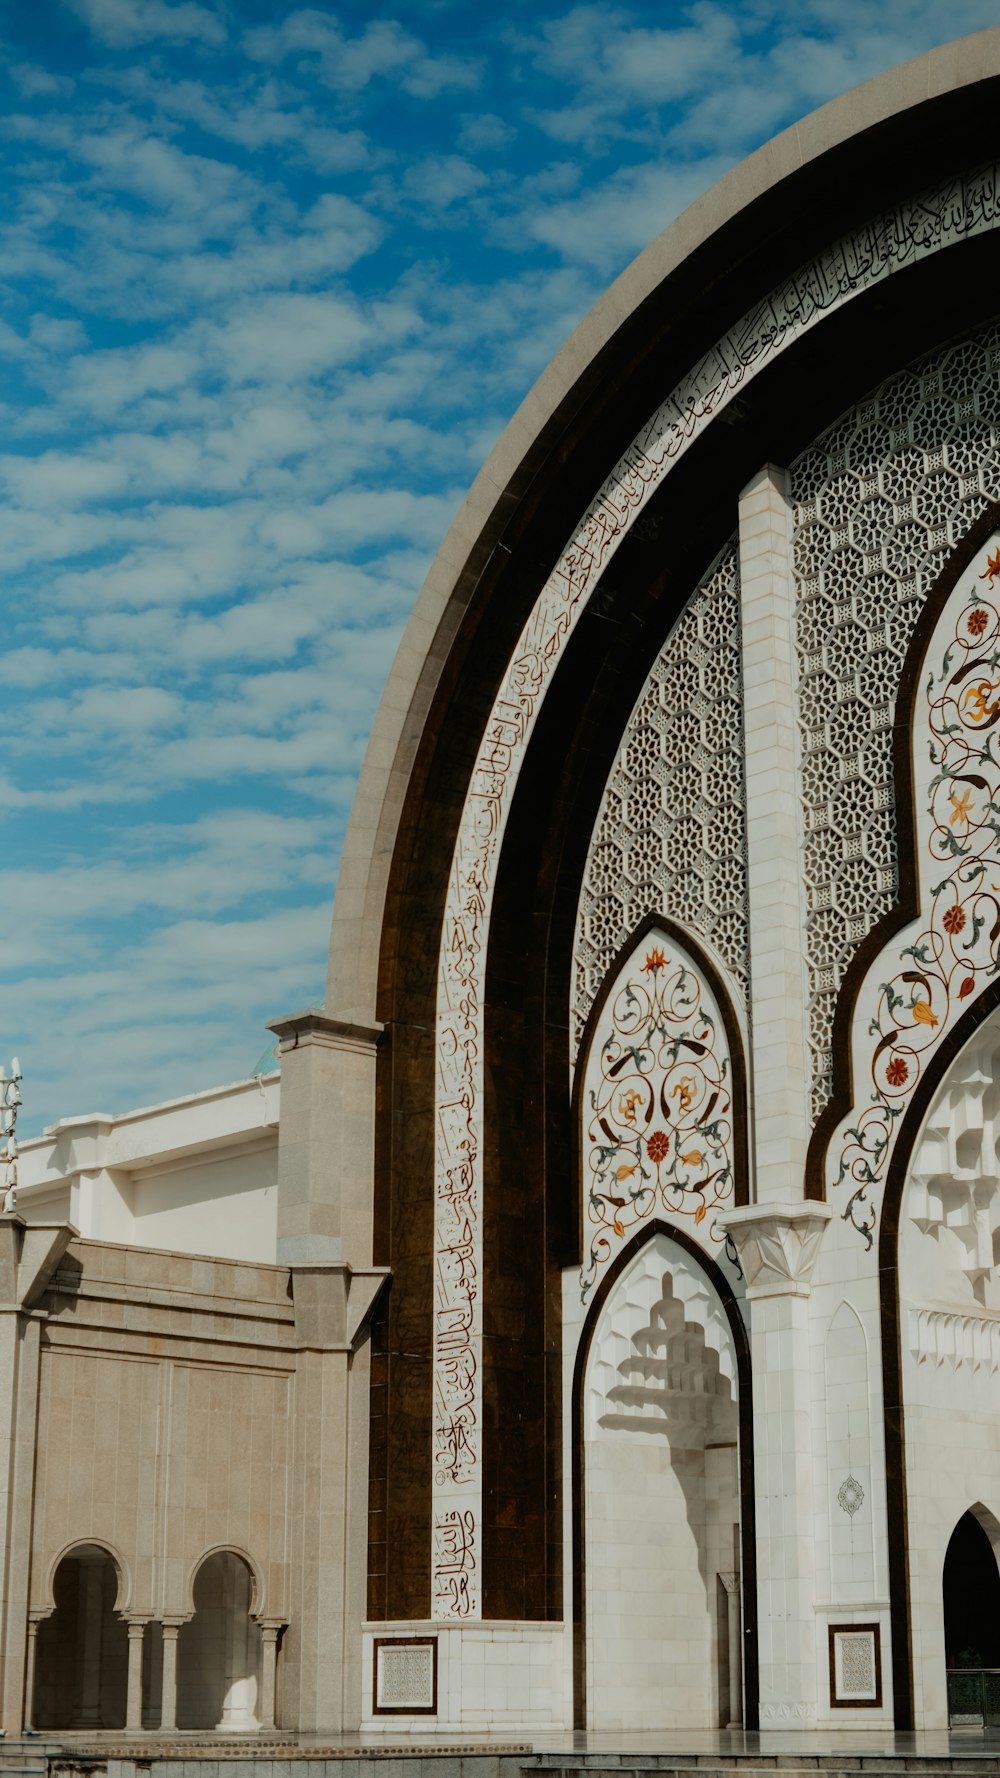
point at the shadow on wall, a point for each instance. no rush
(82, 1653)
(219, 1651)
(661, 1503)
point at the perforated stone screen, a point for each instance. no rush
(671, 835)
(879, 501)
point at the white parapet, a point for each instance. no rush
(194, 1175)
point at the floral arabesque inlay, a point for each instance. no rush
(957, 948)
(660, 1112)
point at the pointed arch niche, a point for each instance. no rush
(949, 1324)
(661, 1103)
(659, 1494)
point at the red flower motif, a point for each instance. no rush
(657, 1147)
(977, 620)
(655, 959)
(897, 1072)
(953, 919)
(992, 567)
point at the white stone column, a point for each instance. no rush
(268, 1671)
(777, 1246)
(168, 1687)
(779, 1073)
(133, 1696)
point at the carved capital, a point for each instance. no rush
(777, 1245)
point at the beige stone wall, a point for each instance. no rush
(164, 1421)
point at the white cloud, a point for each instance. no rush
(598, 47)
(382, 51)
(283, 338)
(254, 114)
(607, 225)
(31, 666)
(124, 23)
(35, 82)
(210, 866)
(268, 298)
(60, 478)
(437, 181)
(103, 382)
(179, 1011)
(484, 130)
(127, 710)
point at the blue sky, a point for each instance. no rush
(272, 279)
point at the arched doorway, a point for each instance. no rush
(219, 1650)
(661, 1501)
(971, 1600)
(948, 1351)
(81, 1663)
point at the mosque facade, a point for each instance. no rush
(604, 1335)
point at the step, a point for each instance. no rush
(800, 1764)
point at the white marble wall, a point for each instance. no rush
(493, 1678)
(851, 1548)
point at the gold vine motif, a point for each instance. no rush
(959, 947)
(660, 1130)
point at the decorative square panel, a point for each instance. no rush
(406, 1676)
(855, 1666)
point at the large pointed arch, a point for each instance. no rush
(425, 751)
(651, 1231)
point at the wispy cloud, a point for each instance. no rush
(347, 63)
(274, 279)
(123, 24)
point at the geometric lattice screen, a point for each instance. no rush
(878, 503)
(671, 833)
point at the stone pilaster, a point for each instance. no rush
(34, 1621)
(779, 1073)
(321, 1679)
(28, 1258)
(777, 1246)
(326, 1140)
(734, 1630)
(325, 1176)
